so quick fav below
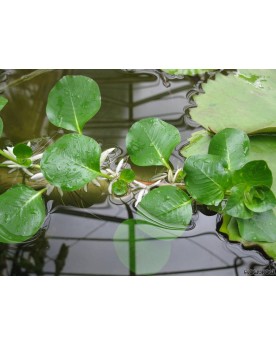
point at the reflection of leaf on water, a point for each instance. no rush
(142, 247)
(61, 258)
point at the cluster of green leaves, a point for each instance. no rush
(244, 100)
(69, 163)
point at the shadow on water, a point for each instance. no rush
(92, 233)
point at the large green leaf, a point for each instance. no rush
(230, 228)
(167, 206)
(22, 213)
(236, 205)
(151, 141)
(198, 144)
(232, 145)
(238, 101)
(254, 173)
(261, 227)
(71, 162)
(206, 178)
(139, 251)
(73, 101)
(264, 148)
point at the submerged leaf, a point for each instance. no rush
(261, 227)
(139, 251)
(167, 207)
(232, 145)
(230, 228)
(151, 141)
(235, 101)
(22, 213)
(207, 179)
(72, 102)
(71, 162)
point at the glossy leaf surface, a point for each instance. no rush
(207, 178)
(167, 206)
(151, 141)
(71, 162)
(236, 203)
(22, 214)
(232, 145)
(72, 102)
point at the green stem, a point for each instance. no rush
(7, 156)
(166, 164)
(1, 165)
(109, 177)
(42, 191)
(36, 166)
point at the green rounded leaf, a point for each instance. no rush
(71, 162)
(72, 102)
(261, 227)
(254, 173)
(119, 188)
(22, 213)
(236, 203)
(127, 175)
(22, 151)
(234, 101)
(260, 199)
(151, 141)
(232, 145)
(167, 206)
(206, 178)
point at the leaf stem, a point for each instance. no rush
(7, 156)
(109, 177)
(166, 164)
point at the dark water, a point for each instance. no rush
(78, 235)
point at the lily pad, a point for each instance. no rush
(185, 72)
(22, 214)
(71, 162)
(72, 102)
(167, 206)
(151, 141)
(236, 101)
(198, 144)
(207, 178)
